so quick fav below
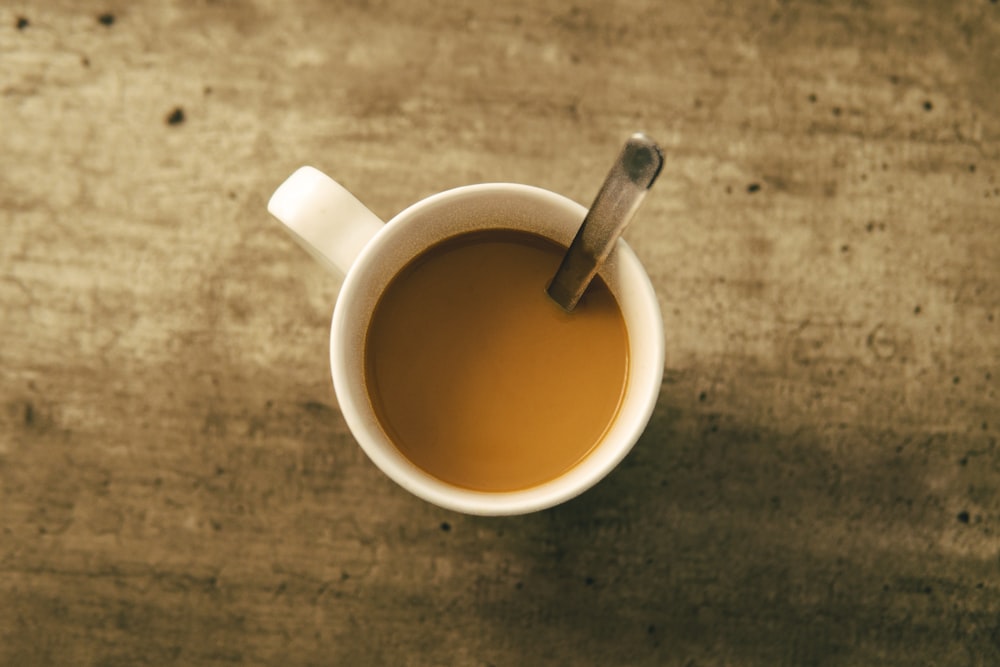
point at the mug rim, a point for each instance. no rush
(355, 403)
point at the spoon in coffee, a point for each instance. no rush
(631, 176)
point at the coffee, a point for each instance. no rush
(481, 380)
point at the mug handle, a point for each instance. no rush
(324, 218)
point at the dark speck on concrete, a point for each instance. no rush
(589, 581)
(928, 590)
(107, 19)
(22, 23)
(29, 414)
(812, 98)
(753, 187)
(972, 168)
(175, 117)
(702, 396)
(928, 105)
(845, 248)
(963, 516)
(956, 380)
(85, 61)
(835, 111)
(916, 310)
(729, 190)
(651, 629)
(445, 526)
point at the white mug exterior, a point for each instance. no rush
(389, 248)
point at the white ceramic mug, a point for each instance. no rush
(339, 231)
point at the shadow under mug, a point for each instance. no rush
(347, 238)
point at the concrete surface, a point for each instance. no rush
(820, 484)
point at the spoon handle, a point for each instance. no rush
(632, 174)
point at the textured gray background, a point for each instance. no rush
(820, 483)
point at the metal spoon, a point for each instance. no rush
(632, 174)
